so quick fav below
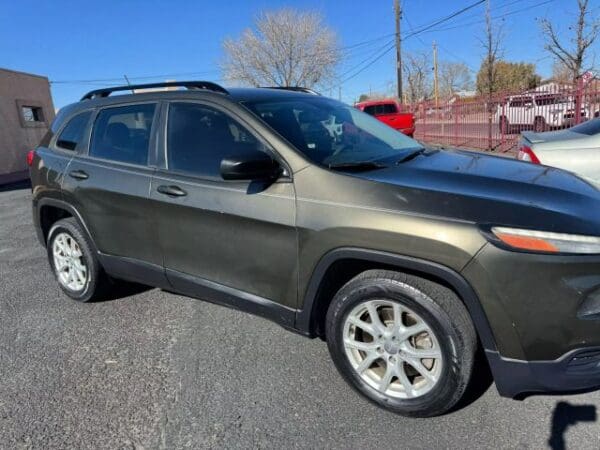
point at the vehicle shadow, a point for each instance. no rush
(481, 380)
(123, 289)
(15, 186)
(564, 416)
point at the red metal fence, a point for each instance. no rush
(495, 124)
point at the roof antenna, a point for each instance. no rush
(128, 83)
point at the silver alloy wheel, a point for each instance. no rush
(69, 264)
(392, 349)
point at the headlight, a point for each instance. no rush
(547, 242)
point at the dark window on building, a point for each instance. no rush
(32, 113)
(123, 133)
(199, 137)
(72, 133)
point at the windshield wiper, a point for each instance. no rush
(411, 155)
(357, 166)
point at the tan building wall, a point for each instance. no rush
(26, 111)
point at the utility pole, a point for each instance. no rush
(398, 14)
(435, 77)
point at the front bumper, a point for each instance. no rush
(544, 314)
(578, 370)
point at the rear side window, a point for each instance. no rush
(389, 108)
(72, 134)
(123, 133)
(199, 137)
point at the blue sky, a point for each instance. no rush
(70, 40)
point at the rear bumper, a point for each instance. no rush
(578, 370)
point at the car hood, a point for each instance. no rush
(493, 190)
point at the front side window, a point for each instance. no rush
(331, 133)
(72, 134)
(371, 110)
(123, 133)
(199, 137)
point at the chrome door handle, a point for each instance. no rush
(78, 174)
(171, 191)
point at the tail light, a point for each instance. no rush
(526, 154)
(30, 156)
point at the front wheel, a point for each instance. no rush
(404, 342)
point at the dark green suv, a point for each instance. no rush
(310, 213)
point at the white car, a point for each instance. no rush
(537, 111)
(576, 149)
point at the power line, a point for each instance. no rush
(146, 77)
(445, 19)
(426, 28)
(500, 16)
(377, 57)
(342, 49)
(477, 22)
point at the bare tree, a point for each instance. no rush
(491, 45)
(561, 73)
(286, 48)
(454, 77)
(573, 56)
(417, 76)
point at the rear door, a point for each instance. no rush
(108, 182)
(388, 114)
(226, 235)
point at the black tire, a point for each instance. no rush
(97, 282)
(443, 312)
(539, 125)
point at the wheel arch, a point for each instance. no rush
(340, 265)
(50, 210)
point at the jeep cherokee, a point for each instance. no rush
(315, 215)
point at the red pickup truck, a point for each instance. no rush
(389, 112)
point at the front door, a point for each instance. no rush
(234, 236)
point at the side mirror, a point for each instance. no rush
(251, 166)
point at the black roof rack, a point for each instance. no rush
(293, 88)
(208, 85)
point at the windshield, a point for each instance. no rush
(331, 133)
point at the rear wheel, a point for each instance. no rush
(405, 343)
(73, 262)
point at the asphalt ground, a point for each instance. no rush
(149, 369)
